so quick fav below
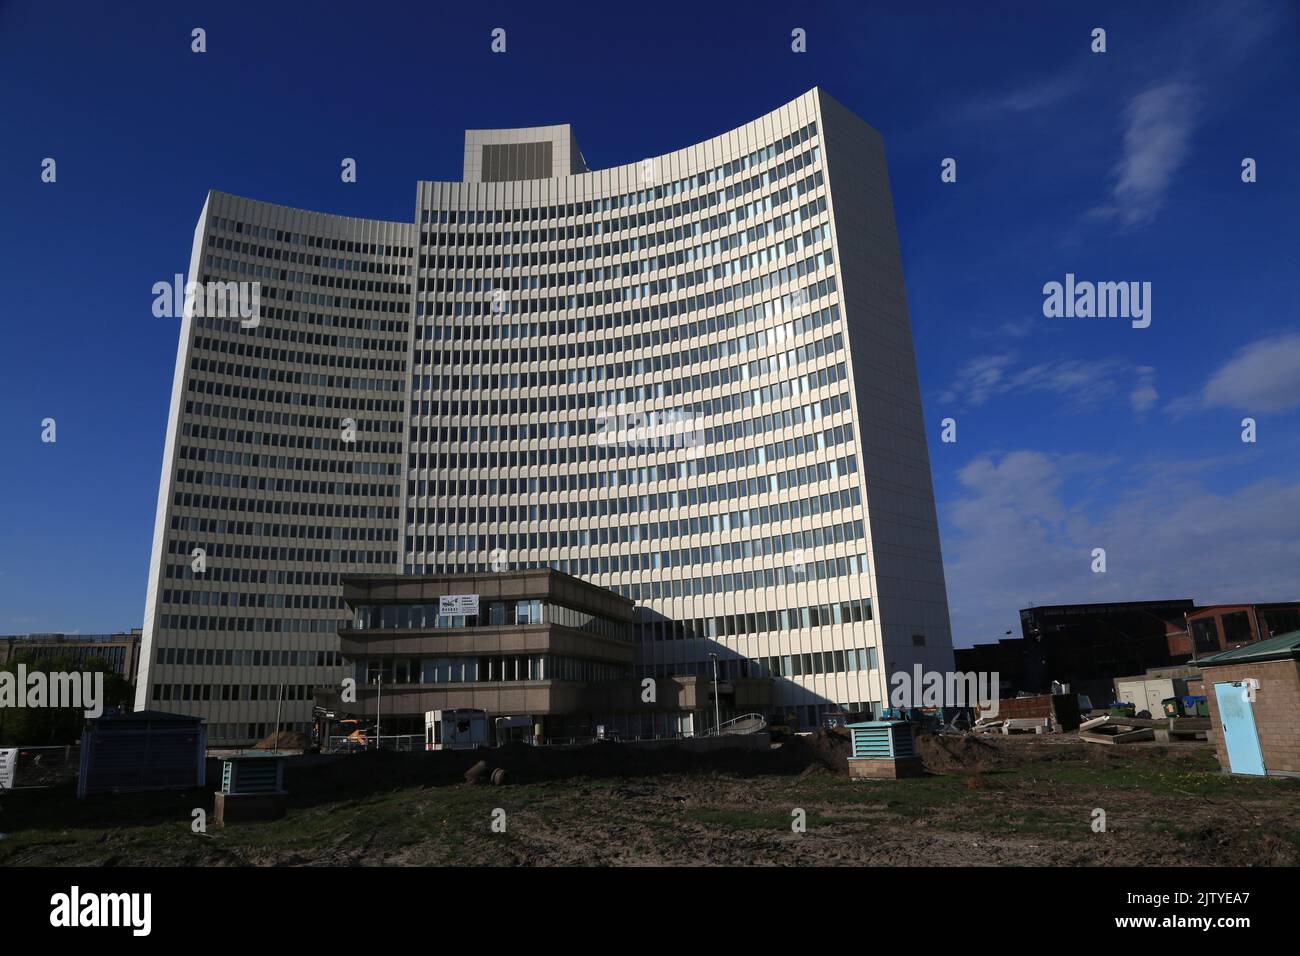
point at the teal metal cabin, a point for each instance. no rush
(882, 740)
(252, 773)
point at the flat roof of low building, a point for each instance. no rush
(488, 585)
(1269, 605)
(1104, 607)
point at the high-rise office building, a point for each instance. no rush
(689, 379)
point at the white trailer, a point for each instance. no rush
(1149, 693)
(462, 729)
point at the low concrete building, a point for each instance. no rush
(1254, 696)
(119, 651)
(550, 652)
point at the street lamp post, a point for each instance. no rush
(717, 712)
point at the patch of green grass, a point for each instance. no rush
(752, 819)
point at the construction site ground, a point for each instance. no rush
(992, 800)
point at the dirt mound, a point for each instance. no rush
(826, 748)
(955, 753)
(284, 740)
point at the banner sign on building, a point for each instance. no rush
(8, 761)
(458, 605)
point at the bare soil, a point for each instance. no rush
(1019, 800)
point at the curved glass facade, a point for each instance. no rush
(688, 379)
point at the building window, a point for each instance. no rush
(1205, 635)
(1236, 628)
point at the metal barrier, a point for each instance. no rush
(735, 725)
(398, 742)
(38, 767)
(412, 742)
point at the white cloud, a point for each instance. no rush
(1262, 377)
(1018, 533)
(1160, 121)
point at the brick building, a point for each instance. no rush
(1221, 627)
(1256, 729)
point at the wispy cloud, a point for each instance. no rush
(1082, 383)
(1144, 395)
(1038, 94)
(1159, 125)
(1263, 376)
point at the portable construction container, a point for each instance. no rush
(148, 750)
(461, 729)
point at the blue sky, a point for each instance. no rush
(1072, 434)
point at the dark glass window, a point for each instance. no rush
(1236, 628)
(1205, 635)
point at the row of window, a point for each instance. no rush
(329, 557)
(311, 242)
(274, 416)
(658, 360)
(229, 692)
(852, 565)
(692, 308)
(282, 400)
(291, 486)
(270, 292)
(494, 669)
(239, 436)
(227, 573)
(782, 665)
(266, 373)
(630, 254)
(260, 625)
(712, 378)
(647, 531)
(491, 614)
(246, 459)
(753, 622)
(323, 263)
(247, 657)
(297, 506)
(756, 285)
(267, 353)
(276, 599)
(695, 494)
(289, 333)
(647, 195)
(264, 529)
(729, 461)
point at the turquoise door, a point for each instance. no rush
(1239, 736)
